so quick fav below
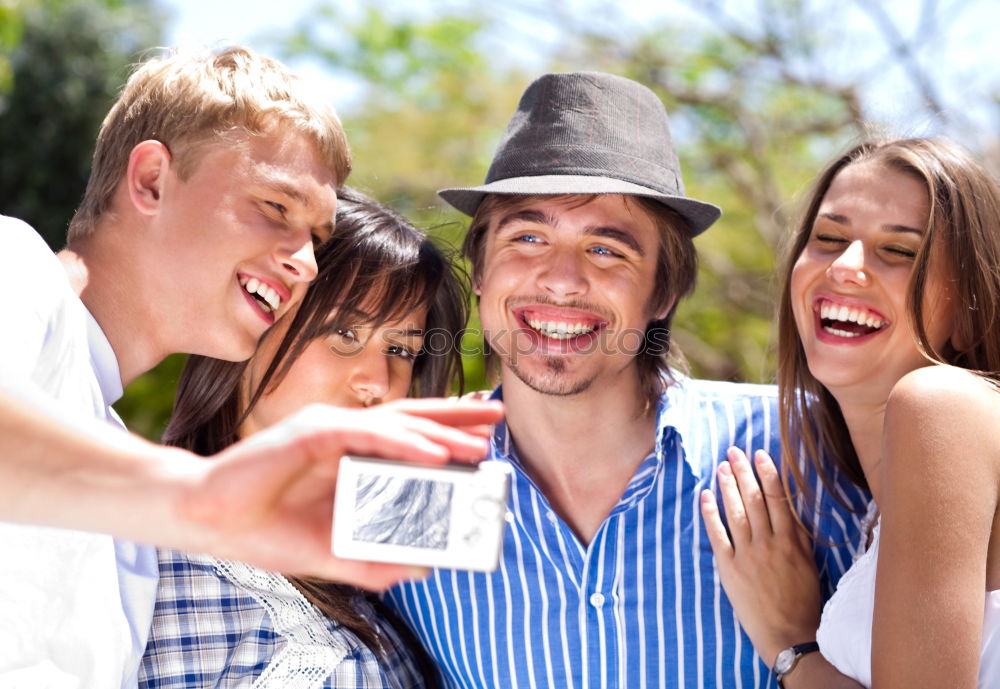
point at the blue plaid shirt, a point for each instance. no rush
(225, 624)
(640, 605)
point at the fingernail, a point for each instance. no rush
(418, 572)
(725, 469)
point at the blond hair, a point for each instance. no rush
(186, 99)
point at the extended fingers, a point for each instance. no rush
(455, 411)
(717, 536)
(736, 514)
(782, 520)
(753, 498)
(389, 434)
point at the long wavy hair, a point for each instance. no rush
(375, 269)
(964, 223)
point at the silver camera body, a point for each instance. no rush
(450, 516)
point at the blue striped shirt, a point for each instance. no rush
(641, 605)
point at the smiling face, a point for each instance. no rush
(356, 367)
(233, 241)
(565, 291)
(849, 285)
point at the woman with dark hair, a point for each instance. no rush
(889, 364)
(357, 339)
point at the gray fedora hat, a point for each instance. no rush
(588, 133)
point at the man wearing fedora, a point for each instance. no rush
(581, 247)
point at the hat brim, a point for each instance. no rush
(699, 214)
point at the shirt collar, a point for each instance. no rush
(103, 361)
(672, 416)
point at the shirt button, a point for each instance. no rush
(551, 516)
(597, 599)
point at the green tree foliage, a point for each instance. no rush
(759, 97)
(62, 63)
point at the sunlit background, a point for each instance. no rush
(760, 93)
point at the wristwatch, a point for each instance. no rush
(789, 658)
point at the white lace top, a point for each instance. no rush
(845, 630)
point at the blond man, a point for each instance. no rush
(214, 177)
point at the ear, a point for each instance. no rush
(148, 164)
(665, 310)
(477, 285)
(958, 341)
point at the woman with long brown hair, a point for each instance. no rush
(357, 339)
(889, 362)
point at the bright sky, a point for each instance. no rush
(210, 22)
(252, 22)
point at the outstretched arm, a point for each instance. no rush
(938, 492)
(267, 500)
(766, 566)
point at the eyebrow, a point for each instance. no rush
(282, 187)
(844, 220)
(606, 231)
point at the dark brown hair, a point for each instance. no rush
(676, 272)
(376, 267)
(964, 222)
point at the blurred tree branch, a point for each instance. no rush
(760, 95)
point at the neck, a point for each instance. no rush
(865, 418)
(581, 465)
(106, 275)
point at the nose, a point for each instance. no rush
(563, 273)
(849, 266)
(369, 379)
(300, 261)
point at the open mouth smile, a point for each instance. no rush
(560, 327)
(263, 295)
(558, 330)
(841, 320)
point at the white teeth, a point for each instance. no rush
(848, 314)
(560, 331)
(841, 333)
(272, 300)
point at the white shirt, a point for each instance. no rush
(75, 607)
(845, 630)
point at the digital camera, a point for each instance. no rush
(450, 516)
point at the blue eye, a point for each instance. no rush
(604, 251)
(528, 238)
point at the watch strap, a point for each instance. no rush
(798, 650)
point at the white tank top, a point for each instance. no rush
(845, 630)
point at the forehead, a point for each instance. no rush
(874, 193)
(581, 212)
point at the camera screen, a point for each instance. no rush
(402, 511)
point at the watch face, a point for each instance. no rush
(783, 663)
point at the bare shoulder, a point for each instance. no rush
(941, 388)
(947, 404)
